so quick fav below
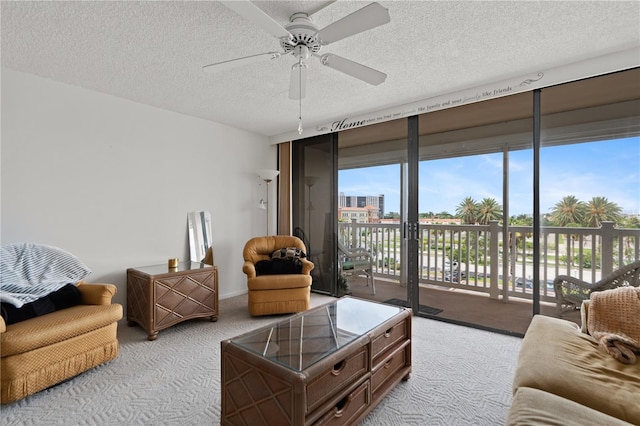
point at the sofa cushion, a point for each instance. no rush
(56, 327)
(273, 282)
(556, 357)
(535, 407)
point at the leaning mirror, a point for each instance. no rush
(199, 234)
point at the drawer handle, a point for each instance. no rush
(341, 405)
(388, 333)
(387, 364)
(338, 367)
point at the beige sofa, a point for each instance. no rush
(43, 351)
(562, 378)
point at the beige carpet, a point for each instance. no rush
(461, 376)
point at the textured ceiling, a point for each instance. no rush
(153, 52)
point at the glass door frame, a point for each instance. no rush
(412, 224)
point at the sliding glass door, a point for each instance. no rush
(474, 181)
(313, 185)
(373, 211)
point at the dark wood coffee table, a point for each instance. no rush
(329, 365)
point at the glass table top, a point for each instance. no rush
(304, 339)
(164, 268)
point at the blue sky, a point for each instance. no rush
(609, 169)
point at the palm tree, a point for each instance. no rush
(467, 210)
(600, 209)
(516, 238)
(567, 211)
(488, 210)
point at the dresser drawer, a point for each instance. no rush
(337, 375)
(350, 408)
(389, 338)
(388, 367)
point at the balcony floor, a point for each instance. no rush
(476, 309)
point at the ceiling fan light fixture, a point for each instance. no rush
(301, 52)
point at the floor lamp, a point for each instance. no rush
(267, 176)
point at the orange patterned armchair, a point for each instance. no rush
(43, 351)
(274, 292)
(53, 325)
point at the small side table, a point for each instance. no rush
(159, 297)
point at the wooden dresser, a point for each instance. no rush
(159, 297)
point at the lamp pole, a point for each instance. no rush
(268, 181)
(267, 176)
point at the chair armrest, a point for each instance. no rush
(359, 255)
(307, 266)
(249, 269)
(3, 326)
(570, 292)
(96, 294)
(561, 280)
(359, 250)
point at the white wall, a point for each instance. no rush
(111, 180)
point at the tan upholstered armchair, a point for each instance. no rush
(276, 293)
(571, 291)
(40, 352)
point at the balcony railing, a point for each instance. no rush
(474, 258)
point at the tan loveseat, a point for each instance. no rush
(43, 351)
(562, 378)
(277, 293)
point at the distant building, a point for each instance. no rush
(367, 214)
(362, 201)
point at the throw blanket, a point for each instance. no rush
(31, 271)
(614, 320)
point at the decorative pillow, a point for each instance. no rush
(30, 271)
(66, 297)
(288, 253)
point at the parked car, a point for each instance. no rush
(448, 265)
(529, 283)
(448, 275)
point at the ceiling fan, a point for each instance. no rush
(302, 39)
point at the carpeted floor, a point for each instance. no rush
(461, 376)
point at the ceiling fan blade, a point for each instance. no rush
(320, 7)
(368, 17)
(353, 69)
(233, 63)
(253, 13)
(298, 84)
